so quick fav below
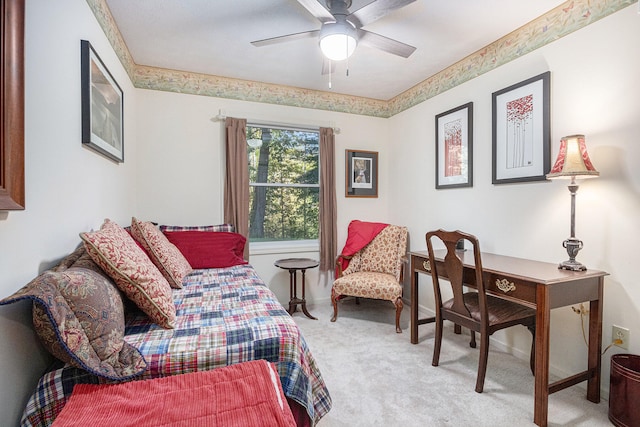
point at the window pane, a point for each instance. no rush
(282, 156)
(283, 213)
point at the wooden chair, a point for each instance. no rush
(375, 271)
(476, 311)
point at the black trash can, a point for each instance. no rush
(624, 390)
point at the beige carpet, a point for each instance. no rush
(378, 378)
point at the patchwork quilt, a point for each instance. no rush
(224, 316)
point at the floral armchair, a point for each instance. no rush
(375, 271)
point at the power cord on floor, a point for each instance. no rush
(583, 311)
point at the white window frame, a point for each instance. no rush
(286, 246)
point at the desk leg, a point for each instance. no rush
(595, 345)
(541, 392)
(414, 307)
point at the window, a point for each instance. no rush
(284, 183)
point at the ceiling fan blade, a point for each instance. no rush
(287, 38)
(328, 66)
(316, 9)
(367, 38)
(374, 11)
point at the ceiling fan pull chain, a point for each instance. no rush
(330, 73)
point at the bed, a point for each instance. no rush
(223, 316)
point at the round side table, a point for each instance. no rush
(293, 265)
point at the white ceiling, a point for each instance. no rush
(213, 37)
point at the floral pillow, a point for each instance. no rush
(115, 251)
(78, 315)
(169, 260)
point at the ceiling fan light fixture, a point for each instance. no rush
(338, 40)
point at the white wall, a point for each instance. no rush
(594, 87)
(69, 189)
(181, 169)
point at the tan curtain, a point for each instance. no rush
(328, 209)
(236, 188)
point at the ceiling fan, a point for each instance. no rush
(341, 30)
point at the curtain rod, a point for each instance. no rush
(221, 116)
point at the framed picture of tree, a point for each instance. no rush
(454, 147)
(521, 131)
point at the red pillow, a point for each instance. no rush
(205, 249)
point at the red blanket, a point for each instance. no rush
(359, 235)
(244, 394)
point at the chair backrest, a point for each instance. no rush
(384, 254)
(454, 270)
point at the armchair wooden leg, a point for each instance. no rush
(399, 306)
(334, 301)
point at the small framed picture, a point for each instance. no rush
(521, 131)
(454, 147)
(102, 106)
(361, 174)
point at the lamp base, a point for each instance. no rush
(572, 265)
(573, 246)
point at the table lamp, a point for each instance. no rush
(573, 161)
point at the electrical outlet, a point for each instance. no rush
(622, 334)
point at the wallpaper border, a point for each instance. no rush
(555, 24)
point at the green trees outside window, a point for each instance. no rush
(284, 183)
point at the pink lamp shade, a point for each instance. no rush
(573, 159)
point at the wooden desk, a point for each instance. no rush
(539, 285)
